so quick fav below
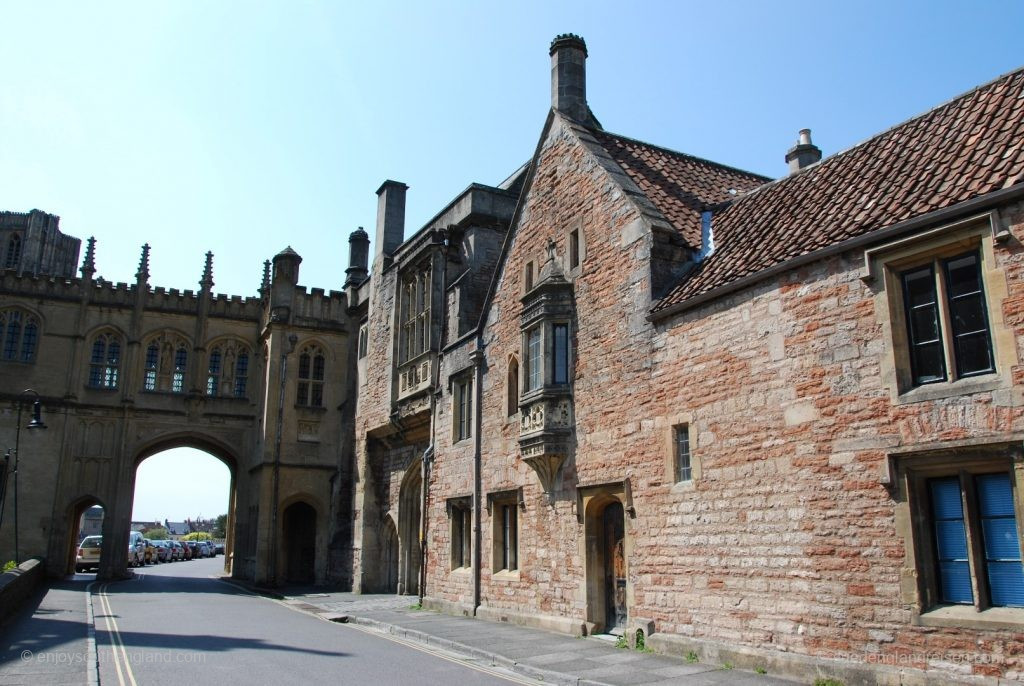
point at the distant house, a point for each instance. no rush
(91, 523)
(177, 529)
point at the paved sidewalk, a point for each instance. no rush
(48, 640)
(553, 658)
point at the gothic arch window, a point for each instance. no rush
(152, 366)
(310, 392)
(213, 372)
(180, 367)
(227, 371)
(241, 374)
(13, 256)
(19, 335)
(105, 361)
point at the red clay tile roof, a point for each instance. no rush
(680, 186)
(964, 149)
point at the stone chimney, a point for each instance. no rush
(569, 77)
(358, 254)
(390, 217)
(804, 153)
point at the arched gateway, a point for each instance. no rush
(124, 372)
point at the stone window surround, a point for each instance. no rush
(910, 468)
(669, 425)
(463, 376)
(495, 500)
(512, 388)
(20, 346)
(576, 228)
(882, 265)
(458, 508)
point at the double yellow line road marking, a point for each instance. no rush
(122, 665)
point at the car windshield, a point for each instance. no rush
(92, 542)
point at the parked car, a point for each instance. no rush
(204, 549)
(150, 552)
(162, 551)
(177, 550)
(88, 554)
(194, 548)
(218, 549)
(186, 550)
(136, 549)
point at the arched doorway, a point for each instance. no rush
(607, 559)
(409, 500)
(84, 518)
(613, 552)
(389, 556)
(299, 528)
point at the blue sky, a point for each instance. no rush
(245, 127)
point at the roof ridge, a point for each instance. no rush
(1008, 76)
(677, 153)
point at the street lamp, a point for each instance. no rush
(36, 423)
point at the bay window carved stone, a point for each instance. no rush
(546, 404)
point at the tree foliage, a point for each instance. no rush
(220, 527)
(197, 536)
(156, 533)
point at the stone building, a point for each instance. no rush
(772, 422)
(777, 423)
(124, 371)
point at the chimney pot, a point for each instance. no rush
(804, 153)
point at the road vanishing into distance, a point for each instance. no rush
(175, 624)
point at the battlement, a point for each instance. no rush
(123, 295)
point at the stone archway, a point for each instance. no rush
(409, 526)
(299, 543)
(73, 516)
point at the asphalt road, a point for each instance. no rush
(174, 624)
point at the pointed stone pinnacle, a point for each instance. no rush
(89, 263)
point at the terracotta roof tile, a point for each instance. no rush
(964, 149)
(680, 186)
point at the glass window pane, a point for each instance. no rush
(973, 354)
(919, 286)
(927, 363)
(963, 275)
(28, 341)
(561, 363)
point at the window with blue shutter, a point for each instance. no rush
(1002, 543)
(950, 541)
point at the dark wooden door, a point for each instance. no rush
(614, 567)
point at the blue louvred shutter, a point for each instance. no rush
(951, 541)
(1002, 543)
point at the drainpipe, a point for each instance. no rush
(478, 363)
(283, 371)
